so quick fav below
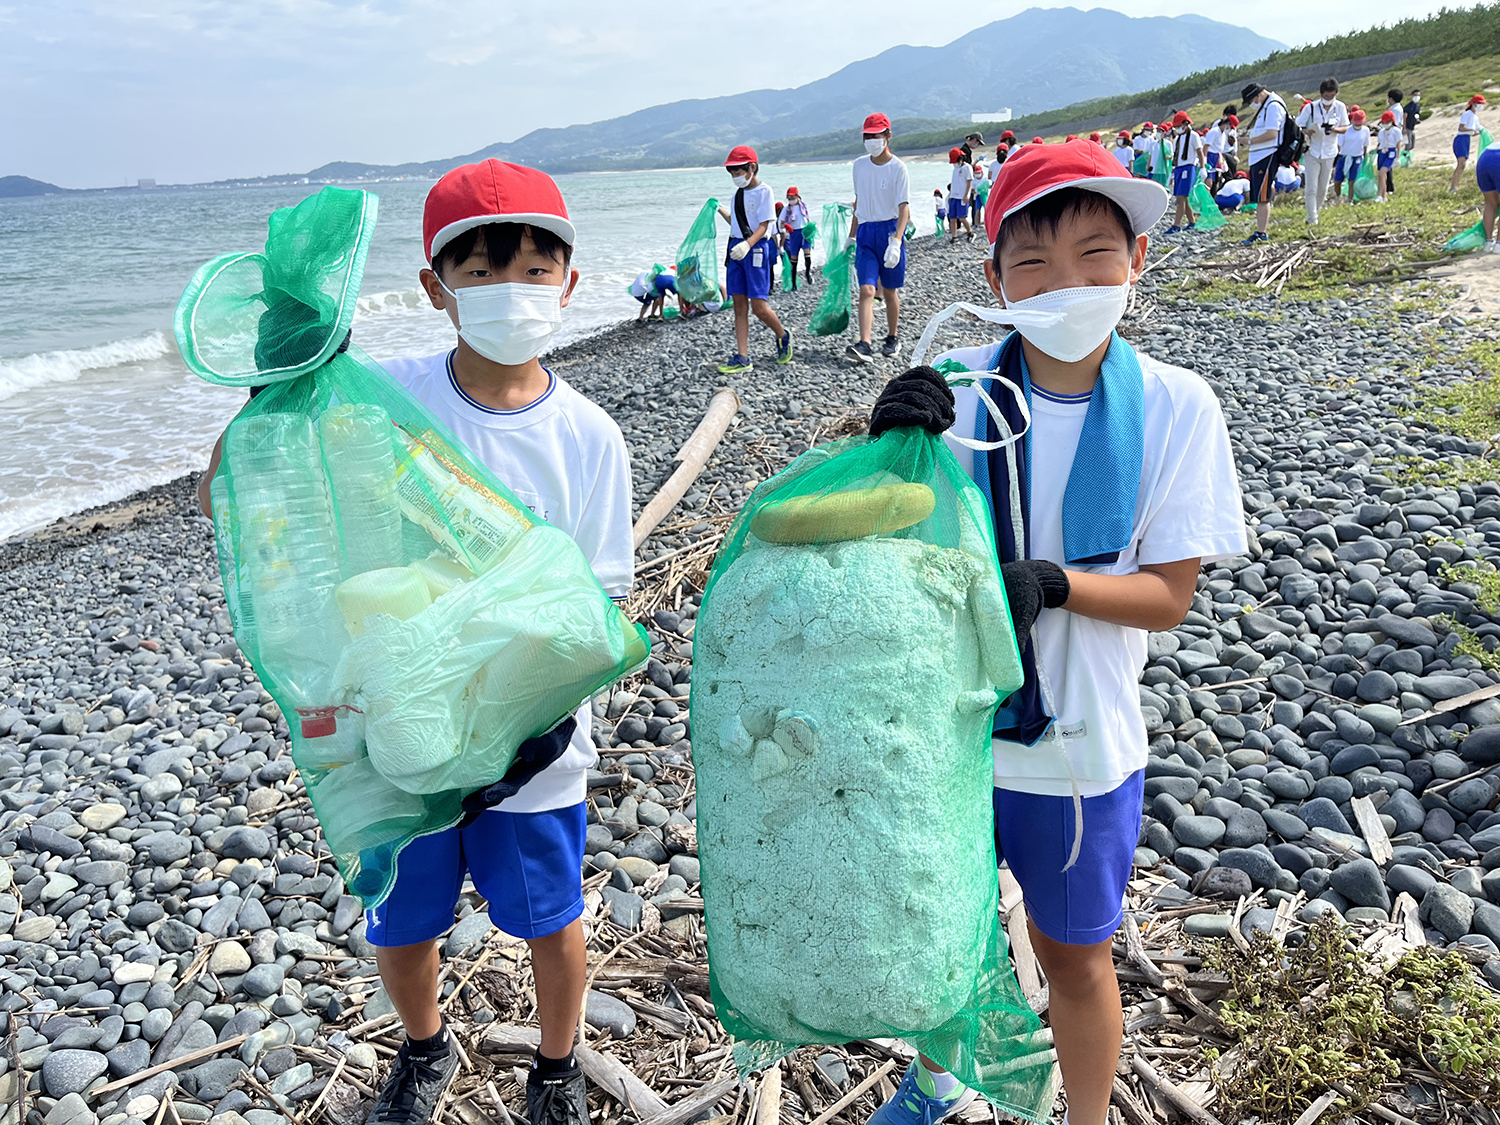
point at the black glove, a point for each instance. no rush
(1032, 585)
(532, 757)
(921, 397)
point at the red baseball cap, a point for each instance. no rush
(1387, 116)
(1071, 137)
(1478, 99)
(955, 155)
(791, 191)
(1035, 171)
(1036, 140)
(1234, 121)
(741, 154)
(1093, 136)
(1147, 125)
(1357, 116)
(877, 123)
(1125, 134)
(1007, 136)
(1181, 118)
(475, 195)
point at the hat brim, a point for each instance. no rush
(1143, 201)
(554, 223)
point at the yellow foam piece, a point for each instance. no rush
(850, 514)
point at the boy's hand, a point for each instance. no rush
(892, 252)
(1032, 585)
(920, 397)
(739, 251)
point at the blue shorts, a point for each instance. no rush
(1230, 201)
(1184, 176)
(1461, 146)
(1034, 834)
(528, 867)
(869, 255)
(751, 275)
(1213, 160)
(957, 209)
(1345, 167)
(665, 283)
(1385, 160)
(1487, 170)
(795, 243)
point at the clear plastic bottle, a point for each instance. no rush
(290, 550)
(360, 456)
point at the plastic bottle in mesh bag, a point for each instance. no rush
(852, 647)
(413, 620)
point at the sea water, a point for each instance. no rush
(95, 402)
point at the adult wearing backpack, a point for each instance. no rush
(1269, 149)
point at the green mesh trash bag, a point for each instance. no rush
(982, 190)
(853, 645)
(786, 268)
(1485, 140)
(1201, 200)
(938, 233)
(412, 619)
(1140, 164)
(1471, 239)
(1404, 160)
(698, 258)
(809, 235)
(1364, 183)
(831, 314)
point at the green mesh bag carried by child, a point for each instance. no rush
(809, 235)
(831, 314)
(1364, 183)
(1471, 239)
(412, 619)
(698, 258)
(1201, 200)
(853, 645)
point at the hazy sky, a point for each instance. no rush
(99, 92)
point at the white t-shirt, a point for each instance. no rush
(1234, 187)
(1323, 145)
(565, 459)
(1189, 506)
(1355, 142)
(1186, 148)
(1271, 118)
(1288, 177)
(994, 170)
(1390, 138)
(959, 182)
(1213, 140)
(794, 216)
(1154, 153)
(1469, 120)
(1124, 154)
(1141, 142)
(879, 189)
(759, 208)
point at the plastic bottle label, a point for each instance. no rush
(460, 512)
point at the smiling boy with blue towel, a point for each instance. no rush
(1122, 486)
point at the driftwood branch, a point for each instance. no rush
(693, 455)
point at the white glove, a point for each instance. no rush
(893, 253)
(739, 251)
(850, 242)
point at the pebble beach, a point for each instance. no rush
(1324, 726)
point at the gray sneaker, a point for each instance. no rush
(412, 1089)
(558, 1099)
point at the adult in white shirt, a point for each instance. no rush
(1323, 120)
(1468, 129)
(1265, 139)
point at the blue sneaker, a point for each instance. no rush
(913, 1105)
(1172, 230)
(736, 364)
(1256, 237)
(784, 348)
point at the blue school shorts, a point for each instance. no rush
(1487, 170)
(1385, 160)
(1184, 176)
(957, 209)
(1340, 168)
(1034, 834)
(869, 255)
(794, 243)
(665, 283)
(751, 275)
(1229, 201)
(1461, 144)
(528, 866)
(1213, 160)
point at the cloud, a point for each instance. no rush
(188, 90)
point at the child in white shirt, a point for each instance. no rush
(1352, 148)
(1388, 148)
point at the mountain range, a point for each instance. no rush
(1042, 58)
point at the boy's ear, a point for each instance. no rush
(570, 284)
(1138, 258)
(992, 275)
(434, 288)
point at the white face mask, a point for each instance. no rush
(508, 322)
(874, 145)
(1328, 101)
(1085, 317)
(740, 181)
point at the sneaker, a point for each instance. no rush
(784, 348)
(860, 352)
(1258, 236)
(1191, 226)
(558, 1099)
(1174, 229)
(1492, 246)
(412, 1090)
(910, 1105)
(736, 364)
(891, 347)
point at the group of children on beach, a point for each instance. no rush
(1128, 485)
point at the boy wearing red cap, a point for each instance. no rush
(500, 244)
(1352, 148)
(1123, 151)
(1187, 161)
(877, 233)
(1463, 141)
(1387, 149)
(752, 252)
(960, 194)
(792, 221)
(1122, 485)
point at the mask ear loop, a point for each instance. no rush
(1015, 317)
